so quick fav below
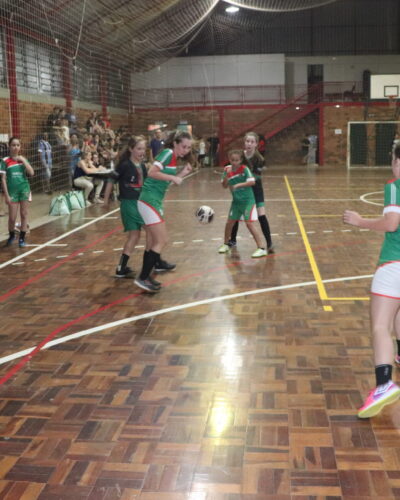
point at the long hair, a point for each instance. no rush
(257, 139)
(178, 136)
(14, 139)
(126, 152)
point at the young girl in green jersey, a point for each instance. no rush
(385, 294)
(161, 174)
(240, 180)
(255, 161)
(15, 170)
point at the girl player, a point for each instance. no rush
(255, 161)
(15, 169)
(240, 181)
(150, 204)
(385, 294)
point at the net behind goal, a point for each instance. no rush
(370, 143)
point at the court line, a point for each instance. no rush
(362, 198)
(27, 354)
(55, 266)
(54, 240)
(320, 286)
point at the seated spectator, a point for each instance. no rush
(82, 180)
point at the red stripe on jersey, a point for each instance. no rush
(10, 162)
(239, 171)
(391, 181)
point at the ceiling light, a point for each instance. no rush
(232, 9)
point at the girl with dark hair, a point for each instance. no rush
(14, 170)
(253, 159)
(132, 173)
(163, 171)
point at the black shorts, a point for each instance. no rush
(258, 193)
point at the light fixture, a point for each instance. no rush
(337, 106)
(297, 107)
(232, 9)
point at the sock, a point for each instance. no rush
(22, 235)
(12, 234)
(123, 261)
(234, 231)
(383, 374)
(398, 346)
(262, 219)
(149, 260)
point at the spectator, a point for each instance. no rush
(74, 153)
(53, 117)
(82, 180)
(202, 151)
(305, 143)
(157, 143)
(213, 149)
(46, 159)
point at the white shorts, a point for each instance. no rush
(386, 281)
(149, 214)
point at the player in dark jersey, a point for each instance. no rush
(14, 171)
(253, 159)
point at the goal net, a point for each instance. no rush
(370, 143)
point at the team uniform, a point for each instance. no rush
(386, 281)
(243, 205)
(150, 203)
(130, 180)
(256, 163)
(16, 179)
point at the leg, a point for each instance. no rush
(99, 186)
(228, 229)
(123, 271)
(12, 217)
(24, 215)
(262, 219)
(84, 183)
(251, 226)
(397, 333)
(232, 239)
(383, 311)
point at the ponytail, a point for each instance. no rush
(126, 152)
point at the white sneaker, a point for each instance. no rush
(223, 249)
(260, 252)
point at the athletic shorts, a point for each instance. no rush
(131, 218)
(21, 194)
(258, 193)
(150, 214)
(243, 211)
(386, 281)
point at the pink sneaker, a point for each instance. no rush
(397, 359)
(378, 398)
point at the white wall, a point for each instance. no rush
(214, 71)
(340, 68)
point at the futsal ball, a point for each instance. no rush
(204, 214)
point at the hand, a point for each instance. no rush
(352, 218)
(177, 180)
(228, 169)
(186, 169)
(8, 200)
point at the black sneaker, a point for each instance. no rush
(271, 250)
(125, 273)
(21, 243)
(163, 266)
(154, 282)
(146, 285)
(10, 241)
(231, 243)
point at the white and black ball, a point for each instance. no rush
(204, 214)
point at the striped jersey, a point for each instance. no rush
(390, 250)
(154, 189)
(241, 174)
(15, 173)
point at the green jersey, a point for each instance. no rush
(15, 173)
(391, 246)
(242, 174)
(153, 190)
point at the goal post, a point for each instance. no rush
(370, 143)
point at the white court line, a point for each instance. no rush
(197, 241)
(363, 229)
(327, 231)
(64, 235)
(116, 249)
(178, 242)
(18, 263)
(97, 251)
(180, 307)
(61, 256)
(363, 198)
(39, 260)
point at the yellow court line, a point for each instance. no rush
(348, 298)
(340, 215)
(317, 276)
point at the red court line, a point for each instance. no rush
(61, 328)
(23, 285)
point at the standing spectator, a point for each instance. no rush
(46, 159)
(312, 150)
(213, 149)
(52, 118)
(14, 170)
(202, 151)
(74, 153)
(305, 144)
(157, 143)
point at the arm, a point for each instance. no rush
(5, 189)
(28, 168)
(156, 173)
(388, 223)
(185, 171)
(248, 183)
(87, 169)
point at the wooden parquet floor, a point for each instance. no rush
(240, 380)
